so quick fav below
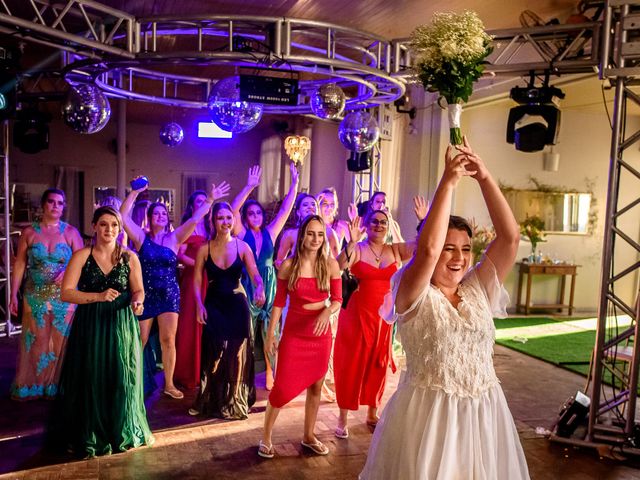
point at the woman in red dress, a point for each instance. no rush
(189, 334)
(362, 350)
(312, 280)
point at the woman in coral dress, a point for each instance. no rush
(362, 353)
(449, 419)
(312, 281)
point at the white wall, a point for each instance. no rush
(584, 146)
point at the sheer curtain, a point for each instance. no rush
(271, 164)
(71, 181)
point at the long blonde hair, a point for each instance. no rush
(321, 269)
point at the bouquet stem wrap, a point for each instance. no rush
(455, 113)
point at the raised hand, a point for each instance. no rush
(253, 179)
(352, 211)
(294, 173)
(420, 207)
(109, 295)
(475, 161)
(220, 191)
(356, 230)
(141, 189)
(455, 167)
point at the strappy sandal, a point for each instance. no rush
(316, 447)
(341, 432)
(264, 451)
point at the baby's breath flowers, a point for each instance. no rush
(449, 54)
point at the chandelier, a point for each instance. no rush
(297, 147)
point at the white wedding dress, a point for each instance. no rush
(448, 419)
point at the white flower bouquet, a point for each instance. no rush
(449, 55)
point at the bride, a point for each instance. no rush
(449, 418)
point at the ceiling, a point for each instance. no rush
(388, 18)
(391, 19)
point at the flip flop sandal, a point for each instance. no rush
(175, 393)
(316, 447)
(264, 451)
(341, 432)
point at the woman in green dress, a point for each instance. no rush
(100, 405)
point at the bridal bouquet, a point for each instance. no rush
(449, 55)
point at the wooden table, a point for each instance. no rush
(531, 269)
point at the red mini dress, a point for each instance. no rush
(303, 358)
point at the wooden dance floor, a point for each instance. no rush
(190, 449)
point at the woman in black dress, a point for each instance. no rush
(227, 387)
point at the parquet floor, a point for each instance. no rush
(188, 449)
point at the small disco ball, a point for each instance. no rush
(359, 131)
(328, 101)
(86, 109)
(171, 134)
(228, 111)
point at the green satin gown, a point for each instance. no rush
(100, 405)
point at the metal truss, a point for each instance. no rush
(365, 183)
(561, 49)
(612, 417)
(323, 51)
(6, 327)
(85, 27)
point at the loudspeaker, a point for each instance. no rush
(358, 162)
(31, 131)
(531, 127)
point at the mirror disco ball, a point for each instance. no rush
(86, 109)
(228, 111)
(328, 101)
(171, 134)
(359, 131)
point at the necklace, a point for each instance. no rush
(377, 256)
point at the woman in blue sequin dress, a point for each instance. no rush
(157, 249)
(44, 250)
(250, 226)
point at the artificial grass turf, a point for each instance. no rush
(567, 343)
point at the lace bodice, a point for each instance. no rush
(452, 349)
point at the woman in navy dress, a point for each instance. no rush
(157, 249)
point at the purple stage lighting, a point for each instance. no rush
(211, 130)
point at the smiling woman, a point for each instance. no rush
(100, 405)
(445, 421)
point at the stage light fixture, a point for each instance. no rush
(535, 123)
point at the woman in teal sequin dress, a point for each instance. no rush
(261, 239)
(44, 250)
(100, 404)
